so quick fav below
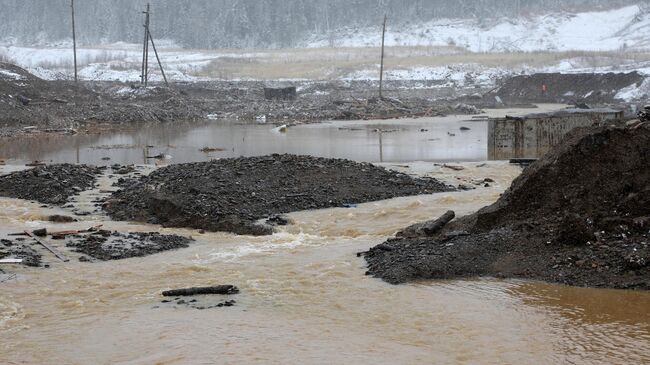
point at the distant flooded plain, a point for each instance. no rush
(425, 139)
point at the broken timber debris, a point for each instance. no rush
(59, 255)
(43, 232)
(220, 289)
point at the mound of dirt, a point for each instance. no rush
(579, 216)
(106, 245)
(232, 194)
(567, 88)
(52, 184)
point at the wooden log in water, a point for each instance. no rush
(433, 227)
(220, 289)
(428, 229)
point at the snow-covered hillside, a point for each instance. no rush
(424, 54)
(617, 29)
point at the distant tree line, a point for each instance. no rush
(247, 23)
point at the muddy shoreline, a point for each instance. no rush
(579, 216)
(53, 184)
(31, 106)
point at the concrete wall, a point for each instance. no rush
(534, 135)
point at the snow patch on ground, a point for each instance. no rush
(634, 92)
(10, 75)
(115, 62)
(447, 76)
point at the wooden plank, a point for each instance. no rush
(73, 231)
(59, 255)
(11, 261)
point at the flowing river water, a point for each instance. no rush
(304, 297)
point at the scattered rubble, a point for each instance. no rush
(231, 195)
(19, 249)
(197, 303)
(578, 216)
(53, 184)
(67, 107)
(105, 245)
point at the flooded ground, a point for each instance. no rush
(304, 296)
(424, 139)
(304, 299)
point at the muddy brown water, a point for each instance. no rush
(305, 299)
(424, 139)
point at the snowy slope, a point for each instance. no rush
(591, 31)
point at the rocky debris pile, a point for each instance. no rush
(597, 88)
(198, 303)
(105, 245)
(386, 108)
(232, 194)
(29, 105)
(644, 114)
(578, 216)
(52, 184)
(18, 249)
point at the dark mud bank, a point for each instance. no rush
(230, 195)
(53, 184)
(593, 88)
(579, 216)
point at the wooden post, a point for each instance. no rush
(145, 50)
(74, 42)
(381, 69)
(146, 37)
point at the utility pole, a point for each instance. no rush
(381, 67)
(145, 50)
(74, 42)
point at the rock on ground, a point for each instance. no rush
(232, 194)
(52, 184)
(579, 216)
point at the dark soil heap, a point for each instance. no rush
(567, 88)
(232, 194)
(52, 184)
(579, 216)
(105, 245)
